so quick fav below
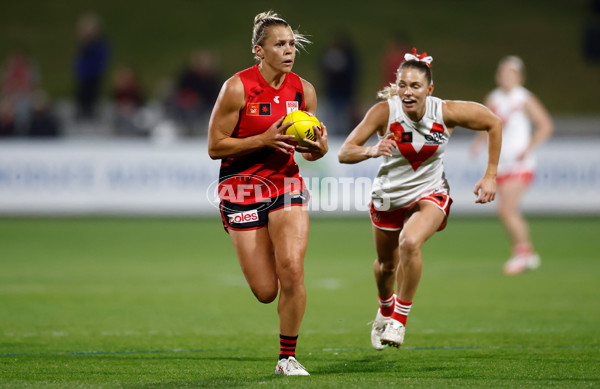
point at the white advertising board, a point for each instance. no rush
(120, 177)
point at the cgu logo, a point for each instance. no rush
(244, 217)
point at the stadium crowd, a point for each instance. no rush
(108, 97)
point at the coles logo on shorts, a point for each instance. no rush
(243, 217)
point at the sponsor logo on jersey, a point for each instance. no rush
(243, 217)
(435, 138)
(291, 106)
(276, 99)
(437, 135)
(259, 109)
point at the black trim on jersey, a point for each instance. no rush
(298, 98)
(255, 92)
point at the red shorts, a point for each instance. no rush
(254, 216)
(394, 220)
(525, 176)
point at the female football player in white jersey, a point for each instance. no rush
(519, 111)
(410, 197)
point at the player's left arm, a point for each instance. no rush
(542, 123)
(478, 117)
(317, 148)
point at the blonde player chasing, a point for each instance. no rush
(410, 197)
(519, 110)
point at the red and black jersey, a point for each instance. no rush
(266, 173)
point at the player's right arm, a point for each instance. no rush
(353, 150)
(224, 118)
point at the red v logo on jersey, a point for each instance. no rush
(404, 143)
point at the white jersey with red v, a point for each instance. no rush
(516, 130)
(415, 168)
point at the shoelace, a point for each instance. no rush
(296, 364)
(380, 324)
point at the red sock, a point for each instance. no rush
(401, 311)
(386, 305)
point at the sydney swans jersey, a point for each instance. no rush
(415, 169)
(516, 129)
(266, 173)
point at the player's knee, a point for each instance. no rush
(386, 266)
(409, 244)
(291, 274)
(265, 296)
(501, 210)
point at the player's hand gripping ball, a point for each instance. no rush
(302, 126)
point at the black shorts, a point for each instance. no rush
(254, 216)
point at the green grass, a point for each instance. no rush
(162, 303)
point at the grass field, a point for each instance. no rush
(162, 303)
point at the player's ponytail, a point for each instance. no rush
(269, 19)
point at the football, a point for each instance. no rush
(302, 126)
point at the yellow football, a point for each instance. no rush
(302, 126)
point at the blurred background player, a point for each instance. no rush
(410, 197)
(519, 110)
(268, 227)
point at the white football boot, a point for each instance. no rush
(521, 263)
(290, 366)
(393, 334)
(377, 330)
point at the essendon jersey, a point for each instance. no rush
(265, 173)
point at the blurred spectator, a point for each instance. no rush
(128, 100)
(90, 65)
(195, 93)
(591, 32)
(19, 79)
(339, 70)
(43, 123)
(393, 56)
(7, 119)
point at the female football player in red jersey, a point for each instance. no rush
(521, 112)
(410, 196)
(262, 194)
